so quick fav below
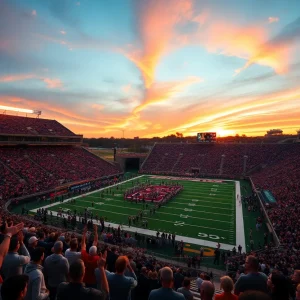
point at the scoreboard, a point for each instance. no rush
(206, 137)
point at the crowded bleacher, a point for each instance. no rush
(43, 262)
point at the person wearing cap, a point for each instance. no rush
(32, 243)
(56, 268)
(166, 292)
(90, 259)
(36, 289)
(13, 262)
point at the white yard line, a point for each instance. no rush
(153, 233)
(239, 219)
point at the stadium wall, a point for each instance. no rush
(269, 223)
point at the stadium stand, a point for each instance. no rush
(36, 169)
(27, 170)
(32, 126)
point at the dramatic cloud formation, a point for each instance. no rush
(156, 25)
(153, 67)
(163, 91)
(277, 51)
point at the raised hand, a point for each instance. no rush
(14, 229)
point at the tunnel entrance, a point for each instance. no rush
(132, 164)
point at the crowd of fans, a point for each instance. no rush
(32, 126)
(42, 263)
(215, 159)
(30, 170)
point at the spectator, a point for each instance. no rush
(90, 259)
(4, 246)
(207, 290)
(71, 254)
(120, 286)
(111, 259)
(254, 280)
(32, 243)
(75, 290)
(56, 269)
(143, 288)
(298, 292)
(166, 292)
(185, 290)
(154, 283)
(199, 281)
(178, 279)
(278, 286)
(14, 288)
(227, 286)
(296, 276)
(13, 262)
(42, 243)
(36, 288)
(254, 295)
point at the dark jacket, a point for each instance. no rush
(77, 291)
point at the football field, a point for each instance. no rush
(203, 213)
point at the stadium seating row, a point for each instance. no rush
(24, 171)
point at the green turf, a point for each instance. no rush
(201, 210)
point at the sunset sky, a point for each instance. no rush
(154, 67)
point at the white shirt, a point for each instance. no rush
(72, 256)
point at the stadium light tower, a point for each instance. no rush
(21, 110)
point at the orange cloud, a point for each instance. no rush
(157, 20)
(51, 83)
(162, 91)
(17, 77)
(264, 110)
(273, 20)
(270, 55)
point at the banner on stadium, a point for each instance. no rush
(80, 186)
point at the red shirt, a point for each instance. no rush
(90, 263)
(226, 296)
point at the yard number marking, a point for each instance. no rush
(184, 216)
(188, 209)
(178, 223)
(210, 236)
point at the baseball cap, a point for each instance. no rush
(32, 240)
